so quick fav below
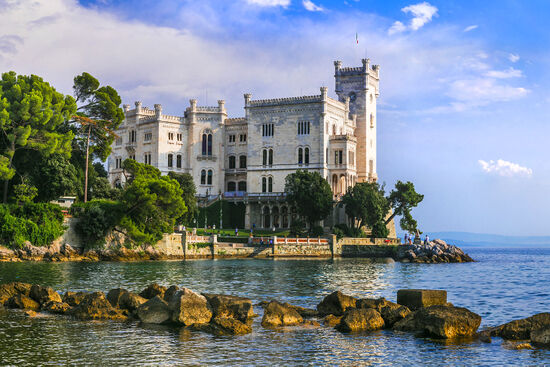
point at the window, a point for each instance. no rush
(264, 156)
(133, 156)
(270, 157)
(231, 186)
(242, 161)
(204, 139)
(148, 137)
(333, 129)
(203, 177)
(303, 127)
(306, 156)
(147, 158)
(267, 184)
(178, 161)
(326, 155)
(371, 120)
(300, 158)
(264, 184)
(340, 160)
(119, 141)
(170, 160)
(118, 163)
(179, 136)
(242, 138)
(132, 137)
(209, 181)
(231, 162)
(170, 136)
(338, 157)
(267, 129)
(242, 185)
(231, 138)
(207, 143)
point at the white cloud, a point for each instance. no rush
(513, 57)
(311, 6)
(397, 27)
(505, 168)
(283, 3)
(470, 28)
(422, 12)
(482, 91)
(504, 74)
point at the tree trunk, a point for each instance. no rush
(86, 171)
(392, 216)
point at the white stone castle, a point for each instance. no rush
(247, 158)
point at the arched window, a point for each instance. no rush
(300, 159)
(231, 162)
(178, 161)
(264, 160)
(203, 177)
(267, 218)
(270, 157)
(209, 144)
(326, 155)
(231, 186)
(242, 161)
(270, 184)
(204, 143)
(264, 184)
(170, 160)
(209, 182)
(306, 155)
(242, 185)
(333, 129)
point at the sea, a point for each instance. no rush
(502, 285)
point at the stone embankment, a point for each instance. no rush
(436, 251)
(426, 313)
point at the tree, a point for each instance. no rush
(402, 199)
(102, 189)
(188, 186)
(24, 193)
(368, 206)
(31, 113)
(310, 194)
(100, 169)
(98, 116)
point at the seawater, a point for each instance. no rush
(504, 284)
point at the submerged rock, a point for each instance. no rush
(95, 306)
(154, 311)
(121, 298)
(331, 320)
(189, 308)
(44, 295)
(56, 307)
(541, 337)
(521, 329)
(390, 312)
(11, 289)
(361, 319)
(73, 298)
(336, 304)
(278, 314)
(232, 307)
(23, 302)
(227, 326)
(443, 322)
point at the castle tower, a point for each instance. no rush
(360, 85)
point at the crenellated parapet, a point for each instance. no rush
(283, 101)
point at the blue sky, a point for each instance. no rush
(465, 96)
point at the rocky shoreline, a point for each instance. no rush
(425, 313)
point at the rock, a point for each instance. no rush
(189, 308)
(229, 326)
(336, 304)
(170, 292)
(114, 296)
(484, 336)
(521, 329)
(390, 312)
(331, 320)
(7, 254)
(311, 323)
(541, 337)
(277, 314)
(31, 313)
(95, 306)
(154, 311)
(68, 250)
(232, 307)
(417, 298)
(517, 346)
(44, 295)
(23, 302)
(56, 307)
(441, 322)
(11, 289)
(131, 301)
(73, 298)
(361, 319)
(375, 303)
(153, 290)
(304, 312)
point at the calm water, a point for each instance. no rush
(503, 285)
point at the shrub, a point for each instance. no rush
(96, 219)
(346, 231)
(316, 231)
(298, 228)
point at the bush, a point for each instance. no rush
(316, 231)
(298, 228)
(344, 230)
(96, 219)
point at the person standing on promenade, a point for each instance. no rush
(426, 240)
(405, 238)
(236, 232)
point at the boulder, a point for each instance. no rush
(541, 337)
(189, 308)
(390, 312)
(11, 289)
(278, 314)
(73, 298)
(44, 295)
(170, 292)
(336, 304)
(331, 320)
(7, 254)
(418, 298)
(131, 301)
(23, 302)
(154, 311)
(114, 296)
(521, 329)
(375, 303)
(228, 326)
(68, 250)
(232, 307)
(361, 319)
(153, 290)
(56, 307)
(444, 322)
(95, 306)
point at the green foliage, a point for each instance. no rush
(38, 223)
(99, 168)
(189, 191)
(102, 189)
(31, 115)
(310, 194)
(403, 198)
(24, 192)
(298, 228)
(133, 169)
(233, 215)
(343, 230)
(317, 231)
(366, 203)
(96, 219)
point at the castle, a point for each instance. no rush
(247, 158)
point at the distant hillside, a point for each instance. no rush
(465, 239)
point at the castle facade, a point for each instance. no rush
(248, 158)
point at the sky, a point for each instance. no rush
(464, 89)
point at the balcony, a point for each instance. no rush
(212, 158)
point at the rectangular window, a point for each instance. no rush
(268, 129)
(119, 141)
(340, 154)
(303, 127)
(148, 137)
(231, 138)
(178, 161)
(179, 136)
(242, 138)
(170, 136)
(170, 160)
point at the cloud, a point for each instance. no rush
(397, 27)
(482, 91)
(513, 57)
(505, 168)
(311, 6)
(504, 74)
(470, 28)
(283, 3)
(422, 12)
